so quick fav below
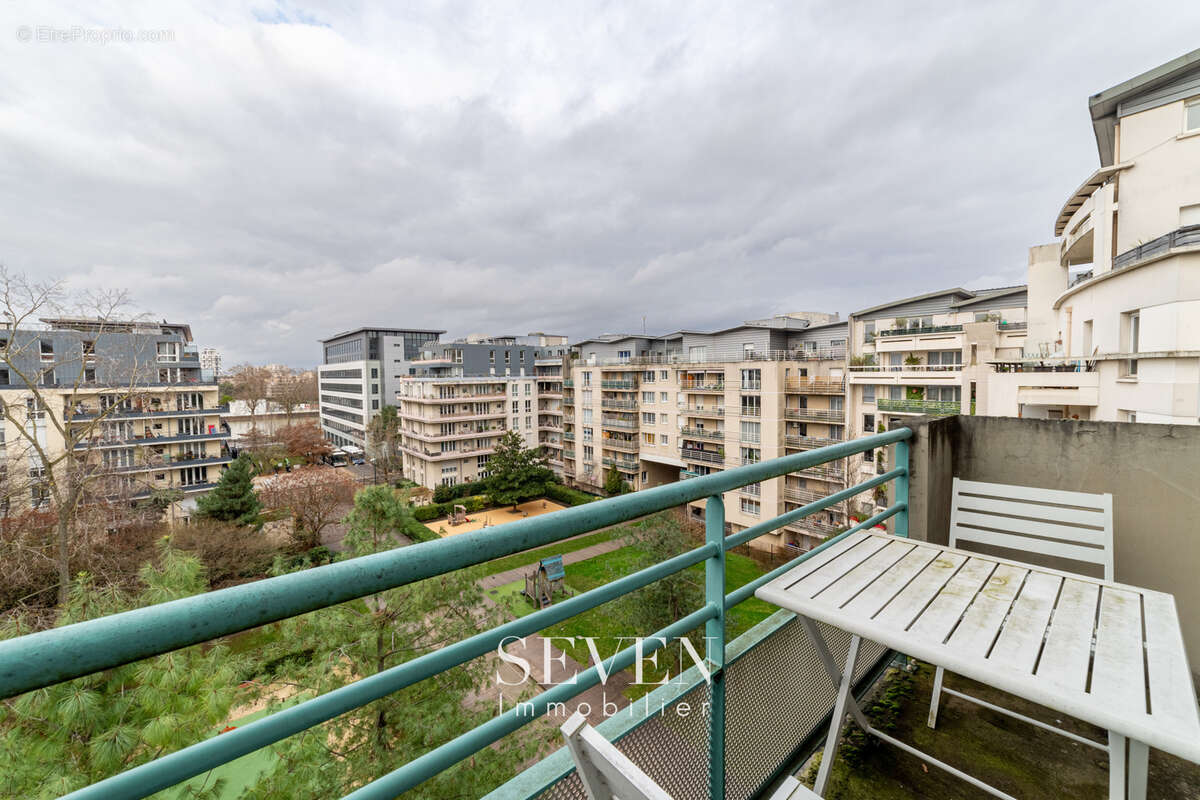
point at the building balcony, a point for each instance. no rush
(825, 472)
(884, 334)
(462, 398)
(922, 374)
(751, 386)
(437, 436)
(170, 462)
(622, 386)
(568, 454)
(625, 465)
(462, 417)
(750, 411)
(97, 443)
(802, 496)
(776, 699)
(815, 414)
(806, 442)
(702, 411)
(438, 455)
(85, 413)
(568, 383)
(751, 490)
(711, 387)
(814, 385)
(924, 407)
(627, 445)
(568, 436)
(619, 424)
(619, 405)
(701, 433)
(701, 456)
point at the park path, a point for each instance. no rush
(574, 557)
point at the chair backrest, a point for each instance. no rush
(1048, 522)
(606, 773)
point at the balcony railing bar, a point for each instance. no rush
(920, 331)
(41, 659)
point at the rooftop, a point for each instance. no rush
(1105, 106)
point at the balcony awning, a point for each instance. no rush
(1080, 195)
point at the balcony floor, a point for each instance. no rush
(1011, 755)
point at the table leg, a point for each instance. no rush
(839, 714)
(1116, 766)
(1139, 764)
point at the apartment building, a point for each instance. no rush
(461, 396)
(359, 373)
(673, 407)
(131, 396)
(210, 361)
(1114, 304)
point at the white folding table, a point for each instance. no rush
(1102, 652)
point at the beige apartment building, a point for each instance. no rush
(129, 396)
(929, 355)
(1114, 304)
(462, 396)
(674, 407)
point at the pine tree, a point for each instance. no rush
(518, 473)
(354, 640)
(66, 736)
(614, 484)
(234, 499)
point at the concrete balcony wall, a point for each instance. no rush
(1152, 471)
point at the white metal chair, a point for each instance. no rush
(1035, 522)
(607, 774)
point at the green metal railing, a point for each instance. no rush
(48, 657)
(934, 407)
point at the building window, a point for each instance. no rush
(868, 332)
(492, 357)
(587, 378)
(664, 375)
(648, 376)
(751, 455)
(752, 379)
(516, 406)
(648, 438)
(1133, 324)
(1191, 115)
(751, 507)
(868, 391)
(751, 432)
(587, 436)
(624, 355)
(374, 372)
(47, 350)
(528, 423)
(375, 405)
(648, 418)
(697, 354)
(664, 438)
(647, 397)
(662, 397)
(528, 389)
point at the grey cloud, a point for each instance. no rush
(549, 166)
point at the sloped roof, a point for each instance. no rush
(1104, 105)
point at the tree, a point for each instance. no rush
(667, 600)
(251, 385)
(63, 737)
(383, 434)
(314, 495)
(614, 484)
(517, 472)
(304, 440)
(234, 499)
(291, 391)
(355, 640)
(65, 481)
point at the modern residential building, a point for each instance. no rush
(664, 408)
(359, 374)
(210, 361)
(129, 395)
(268, 418)
(1114, 305)
(461, 396)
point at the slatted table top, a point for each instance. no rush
(1103, 652)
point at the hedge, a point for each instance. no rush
(448, 494)
(419, 533)
(568, 496)
(434, 510)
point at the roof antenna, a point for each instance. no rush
(643, 324)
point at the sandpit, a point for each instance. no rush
(494, 516)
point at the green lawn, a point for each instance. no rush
(606, 624)
(530, 557)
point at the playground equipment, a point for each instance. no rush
(460, 515)
(544, 580)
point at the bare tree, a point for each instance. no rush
(304, 440)
(251, 385)
(292, 391)
(50, 466)
(316, 497)
(383, 435)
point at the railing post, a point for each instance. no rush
(714, 638)
(900, 526)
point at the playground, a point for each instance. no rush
(492, 517)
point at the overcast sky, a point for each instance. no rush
(276, 173)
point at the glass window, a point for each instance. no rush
(647, 397)
(1192, 116)
(664, 438)
(648, 418)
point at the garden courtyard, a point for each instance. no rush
(491, 517)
